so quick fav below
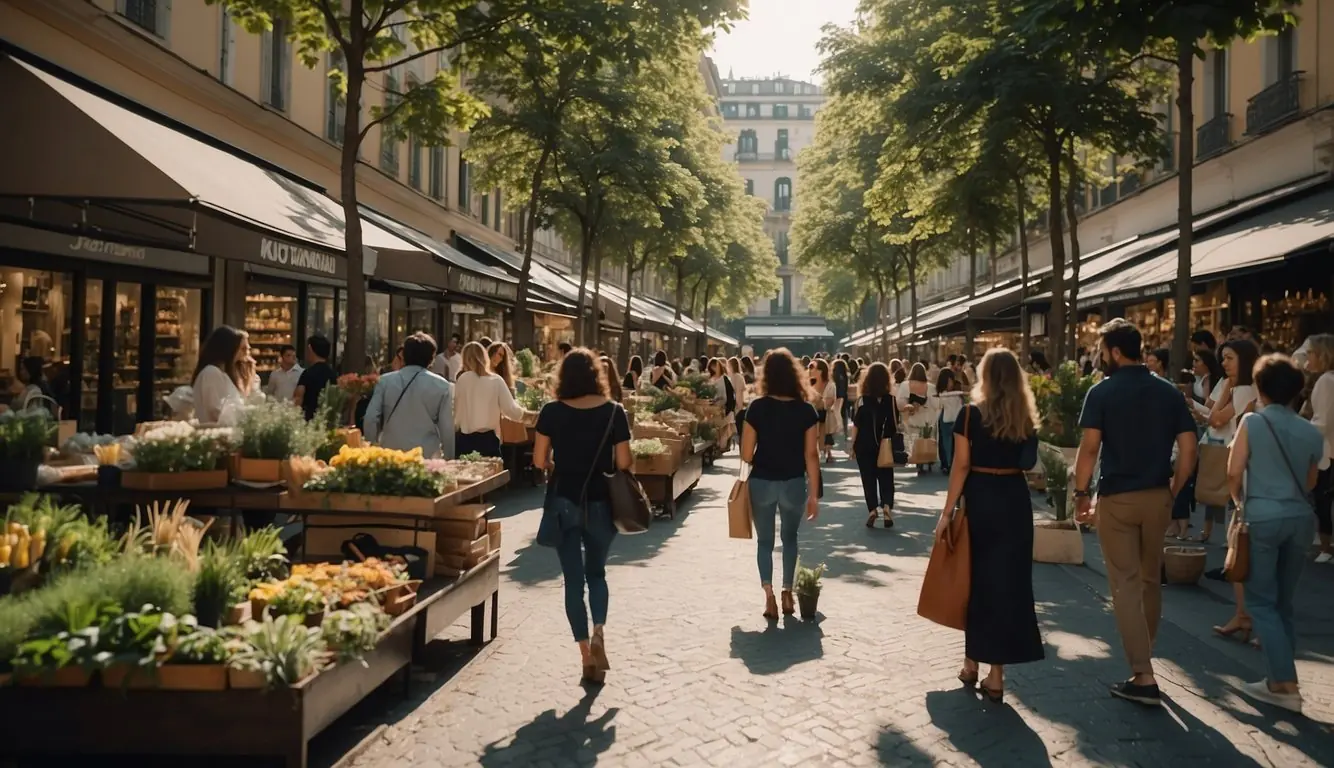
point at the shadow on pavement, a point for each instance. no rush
(897, 749)
(780, 646)
(568, 739)
(991, 734)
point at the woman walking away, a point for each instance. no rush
(875, 419)
(1320, 362)
(949, 389)
(780, 441)
(917, 398)
(995, 440)
(633, 374)
(613, 379)
(841, 383)
(823, 396)
(662, 376)
(569, 433)
(480, 399)
(1271, 470)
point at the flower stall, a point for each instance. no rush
(669, 456)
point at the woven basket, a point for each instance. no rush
(1183, 565)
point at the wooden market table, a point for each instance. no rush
(666, 490)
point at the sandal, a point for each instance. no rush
(995, 695)
(1241, 631)
(871, 517)
(770, 608)
(968, 677)
(789, 605)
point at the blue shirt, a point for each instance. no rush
(412, 408)
(1140, 416)
(1272, 488)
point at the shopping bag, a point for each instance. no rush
(1237, 564)
(885, 459)
(924, 451)
(739, 523)
(948, 580)
(1211, 477)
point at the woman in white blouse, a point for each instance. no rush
(826, 397)
(1320, 362)
(918, 401)
(480, 399)
(224, 376)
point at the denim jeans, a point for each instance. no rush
(583, 559)
(945, 439)
(788, 497)
(1278, 553)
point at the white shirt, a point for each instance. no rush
(739, 387)
(1242, 396)
(1322, 409)
(282, 384)
(480, 401)
(951, 403)
(925, 414)
(214, 393)
(719, 389)
(447, 366)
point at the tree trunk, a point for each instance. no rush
(1056, 322)
(1073, 217)
(353, 354)
(623, 350)
(680, 297)
(1025, 342)
(585, 260)
(523, 319)
(1185, 191)
(595, 331)
(912, 286)
(704, 319)
(972, 262)
(994, 257)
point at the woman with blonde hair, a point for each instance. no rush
(779, 440)
(918, 401)
(823, 396)
(995, 440)
(480, 399)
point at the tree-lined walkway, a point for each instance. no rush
(699, 678)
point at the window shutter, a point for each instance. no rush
(266, 68)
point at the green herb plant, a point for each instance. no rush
(331, 408)
(1057, 470)
(277, 430)
(354, 631)
(647, 447)
(202, 646)
(527, 363)
(220, 582)
(807, 581)
(283, 649)
(262, 554)
(297, 600)
(24, 435)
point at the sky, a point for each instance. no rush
(780, 37)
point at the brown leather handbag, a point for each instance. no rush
(949, 574)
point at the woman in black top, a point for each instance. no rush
(662, 376)
(780, 441)
(995, 440)
(572, 428)
(633, 373)
(876, 419)
(841, 382)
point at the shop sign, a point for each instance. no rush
(60, 244)
(296, 257)
(1138, 293)
(480, 285)
(466, 309)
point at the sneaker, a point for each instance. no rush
(1260, 692)
(1147, 695)
(1324, 557)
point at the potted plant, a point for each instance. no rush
(527, 363)
(178, 457)
(807, 588)
(130, 646)
(1059, 540)
(198, 662)
(1060, 403)
(24, 437)
(299, 599)
(651, 457)
(61, 660)
(352, 632)
(283, 650)
(374, 479)
(219, 583)
(270, 433)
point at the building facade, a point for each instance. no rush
(770, 121)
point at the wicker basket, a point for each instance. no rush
(1183, 565)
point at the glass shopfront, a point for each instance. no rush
(321, 317)
(411, 315)
(271, 313)
(549, 332)
(36, 318)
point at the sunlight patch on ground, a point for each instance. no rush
(1073, 647)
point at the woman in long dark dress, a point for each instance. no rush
(995, 440)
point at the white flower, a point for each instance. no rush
(176, 430)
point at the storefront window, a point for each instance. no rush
(92, 353)
(270, 319)
(412, 315)
(489, 324)
(319, 316)
(125, 376)
(550, 331)
(36, 316)
(1284, 317)
(377, 332)
(177, 343)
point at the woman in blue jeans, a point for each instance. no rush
(1272, 468)
(582, 437)
(781, 441)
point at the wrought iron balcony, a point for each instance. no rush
(1214, 136)
(746, 155)
(1274, 104)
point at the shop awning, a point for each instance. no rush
(788, 332)
(1257, 241)
(94, 165)
(465, 274)
(641, 311)
(724, 339)
(545, 281)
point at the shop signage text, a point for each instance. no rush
(89, 245)
(1124, 296)
(78, 246)
(478, 285)
(297, 257)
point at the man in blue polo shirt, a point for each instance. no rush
(1134, 418)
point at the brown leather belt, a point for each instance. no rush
(994, 471)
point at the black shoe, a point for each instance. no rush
(1147, 695)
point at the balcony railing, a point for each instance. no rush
(1274, 104)
(1213, 136)
(784, 155)
(746, 156)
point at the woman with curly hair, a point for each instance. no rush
(780, 441)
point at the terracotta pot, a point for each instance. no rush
(807, 605)
(238, 614)
(125, 676)
(1183, 565)
(246, 679)
(1057, 542)
(192, 677)
(256, 470)
(257, 607)
(65, 677)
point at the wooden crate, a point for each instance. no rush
(325, 535)
(493, 532)
(174, 481)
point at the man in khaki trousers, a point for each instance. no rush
(1134, 419)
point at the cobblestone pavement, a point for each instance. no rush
(699, 679)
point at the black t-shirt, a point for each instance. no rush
(1140, 417)
(780, 437)
(875, 420)
(575, 434)
(315, 379)
(630, 381)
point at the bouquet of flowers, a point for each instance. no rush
(380, 472)
(180, 447)
(358, 385)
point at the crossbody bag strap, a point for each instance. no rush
(597, 457)
(384, 422)
(1301, 489)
